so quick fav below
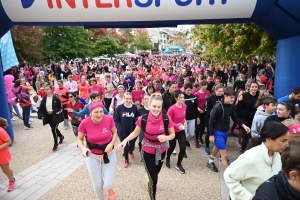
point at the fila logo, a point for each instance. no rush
(127, 114)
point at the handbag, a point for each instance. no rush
(58, 117)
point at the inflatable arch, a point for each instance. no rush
(174, 48)
(280, 18)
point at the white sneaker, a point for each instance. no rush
(13, 119)
(26, 128)
(31, 120)
(174, 152)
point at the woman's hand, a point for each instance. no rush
(163, 138)
(122, 145)
(109, 147)
(83, 152)
(198, 120)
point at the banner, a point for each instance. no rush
(8, 53)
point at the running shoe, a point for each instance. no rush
(239, 144)
(201, 141)
(67, 127)
(55, 147)
(188, 144)
(174, 152)
(11, 185)
(197, 145)
(231, 132)
(30, 120)
(61, 139)
(180, 169)
(13, 119)
(126, 163)
(131, 155)
(207, 150)
(111, 194)
(212, 166)
(168, 163)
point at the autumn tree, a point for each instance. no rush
(27, 43)
(233, 42)
(141, 40)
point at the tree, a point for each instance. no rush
(228, 43)
(105, 45)
(64, 42)
(27, 43)
(141, 40)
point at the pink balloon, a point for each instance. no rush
(12, 101)
(9, 78)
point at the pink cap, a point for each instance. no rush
(96, 105)
(295, 128)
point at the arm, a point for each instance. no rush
(83, 112)
(105, 111)
(111, 107)
(113, 141)
(82, 148)
(254, 128)
(5, 144)
(213, 116)
(117, 117)
(237, 120)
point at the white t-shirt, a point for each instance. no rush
(109, 86)
(49, 104)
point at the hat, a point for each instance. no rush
(96, 105)
(295, 128)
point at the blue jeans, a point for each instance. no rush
(26, 115)
(15, 108)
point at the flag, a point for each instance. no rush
(8, 53)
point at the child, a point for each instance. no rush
(219, 123)
(5, 156)
(267, 109)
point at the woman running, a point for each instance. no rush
(260, 162)
(154, 143)
(192, 113)
(101, 134)
(125, 118)
(201, 95)
(246, 111)
(49, 109)
(5, 155)
(77, 106)
(177, 112)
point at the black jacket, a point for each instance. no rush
(220, 117)
(56, 107)
(167, 101)
(211, 102)
(276, 188)
(192, 107)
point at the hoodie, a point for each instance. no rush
(258, 121)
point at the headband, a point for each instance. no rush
(295, 128)
(96, 105)
(286, 105)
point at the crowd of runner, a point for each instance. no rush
(161, 100)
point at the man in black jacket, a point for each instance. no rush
(219, 123)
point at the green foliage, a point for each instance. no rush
(64, 42)
(141, 40)
(105, 45)
(233, 42)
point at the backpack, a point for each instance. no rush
(219, 102)
(21, 95)
(165, 118)
(112, 84)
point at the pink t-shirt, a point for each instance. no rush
(83, 90)
(97, 89)
(137, 95)
(155, 129)
(201, 98)
(177, 115)
(97, 133)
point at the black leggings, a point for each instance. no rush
(107, 103)
(129, 147)
(55, 132)
(152, 171)
(200, 127)
(246, 136)
(181, 138)
(207, 130)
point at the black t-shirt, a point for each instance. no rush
(142, 111)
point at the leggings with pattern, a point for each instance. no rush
(152, 171)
